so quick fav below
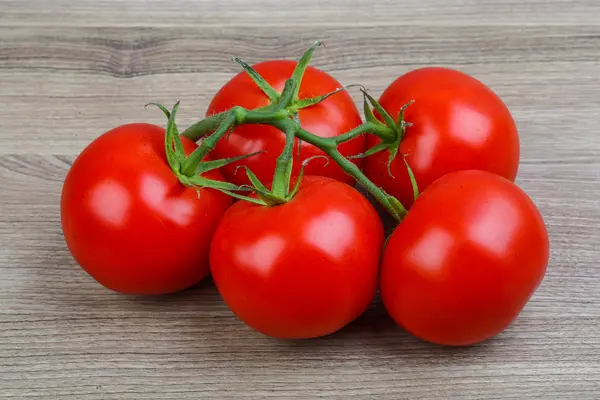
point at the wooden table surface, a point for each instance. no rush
(70, 70)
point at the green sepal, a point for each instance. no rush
(413, 181)
(296, 119)
(229, 132)
(199, 181)
(309, 159)
(289, 167)
(206, 166)
(280, 186)
(256, 183)
(297, 185)
(173, 144)
(259, 80)
(384, 114)
(179, 152)
(373, 150)
(242, 197)
(264, 195)
(229, 189)
(304, 103)
(287, 95)
(369, 116)
(260, 189)
(393, 149)
(162, 108)
(301, 175)
(401, 123)
(298, 73)
(175, 154)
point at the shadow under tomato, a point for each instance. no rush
(200, 300)
(389, 224)
(374, 336)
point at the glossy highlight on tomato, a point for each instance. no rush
(302, 269)
(465, 260)
(458, 123)
(332, 117)
(129, 222)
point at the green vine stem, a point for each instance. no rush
(282, 119)
(281, 113)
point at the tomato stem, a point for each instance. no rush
(282, 114)
(205, 126)
(190, 164)
(282, 120)
(392, 205)
(379, 130)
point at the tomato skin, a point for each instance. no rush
(465, 260)
(332, 117)
(302, 269)
(128, 221)
(458, 123)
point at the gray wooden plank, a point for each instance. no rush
(71, 70)
(307, 13)
(66, 73)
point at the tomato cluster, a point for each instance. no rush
(149, 211)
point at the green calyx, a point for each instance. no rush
(391, 142)
(189, 169)
(397, 128)
(279, 116)
(295, 103)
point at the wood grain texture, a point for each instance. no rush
(71, 70)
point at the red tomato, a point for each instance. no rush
(129, 222)
(459, 123)
(302, 269)
(332, 117)
(465, 260)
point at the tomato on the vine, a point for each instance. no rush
(457, 122)
(468, 256)
(302, 269)
(127, 219)
(332, 117)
